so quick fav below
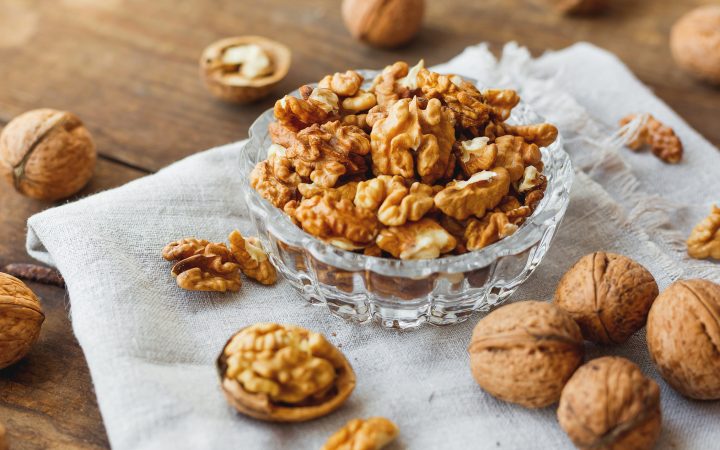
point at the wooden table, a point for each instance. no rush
(128, 68)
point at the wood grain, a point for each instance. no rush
(128, 68)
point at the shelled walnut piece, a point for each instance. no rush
(608, 295)
(363, 434)
(205, 266)
(609, 404)
(663, 141)
(284, 373)
(704, 240)
(414, 145)
(525, 352)
(21, 317)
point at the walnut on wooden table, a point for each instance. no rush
(21, 317)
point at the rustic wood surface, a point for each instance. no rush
(128, 68)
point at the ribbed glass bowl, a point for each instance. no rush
(406, 294)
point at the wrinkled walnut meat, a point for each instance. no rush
(363, 434)
(284, 373)
(384, 168)
(663, 141)
(205, 266)
(704, 240)
(609, 404)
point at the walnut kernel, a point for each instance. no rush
(704, 240)
(363, 434)
(251, 257)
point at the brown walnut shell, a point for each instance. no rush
(525, 352)
(383, 23)
(609, 404)
(47, 154)
(683, 336)
(20, 319)
(608, 295)
(3, 438)
(695, 43)
(261, 406)
(236, 89)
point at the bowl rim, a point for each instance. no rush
(528, 234)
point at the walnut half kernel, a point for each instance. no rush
(363, 434)
(284, 373)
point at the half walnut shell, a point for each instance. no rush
(228, 84)
(264, 388)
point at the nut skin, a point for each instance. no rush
(608, 404)
(695, 43)
(21, 317)
(525, 352)
(608, 295)
(683, 336)
(383, 23)
(47, 154)
(261, 407)
(250, 90)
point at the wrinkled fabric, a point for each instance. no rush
(151, 347)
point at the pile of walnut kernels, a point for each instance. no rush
(418, 166)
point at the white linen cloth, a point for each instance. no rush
(151, 347)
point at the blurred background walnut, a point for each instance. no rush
(525, 352)
(21, 317)
(3, 438)
(577, 6)
(284, 373)
(609, 404)
(47, 154)
(683, 336)
(694, 42)
(704, 240)
(363, 434)
(383, 23)
(608, 295)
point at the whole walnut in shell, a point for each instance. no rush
(47, 154)
(525, 352)
(608, 295)
(383, 23)
(683, 336)
(3, 438)
(695, 43)
(20, 319)
(284, 373)
(579, 6)
(608, 404)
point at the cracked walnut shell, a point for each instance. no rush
(47, 154)
(609, 404)
(21, 317)
(608, 295)
(284, 373)
(363, 434)
(704, 240)
(525, 352)
(683, 336)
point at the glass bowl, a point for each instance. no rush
(406, 294)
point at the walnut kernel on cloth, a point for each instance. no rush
(213, 270)
(525, 352)
(608, 295)
(424, 239)
(284, 373)
(683, 336)
(704, 240)
(609, 404)
(21, 317)
(363, 434)
(663, 141)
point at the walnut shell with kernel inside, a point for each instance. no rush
(284, 373)
(20, 319)
(608, 295)
(525, 352)
(609, 404)
(683, 336)
(47, 154)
